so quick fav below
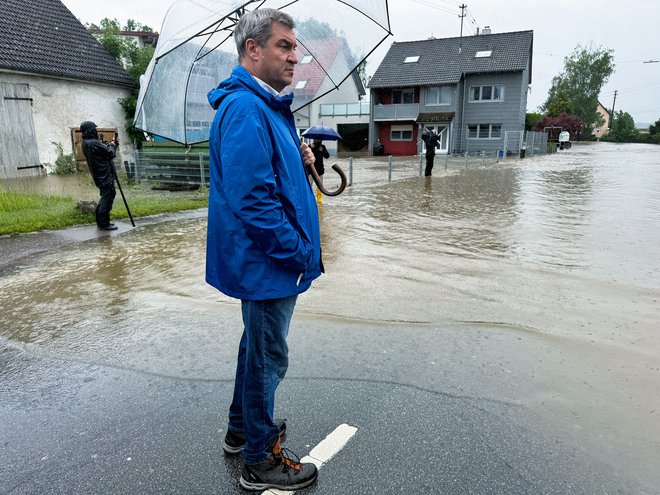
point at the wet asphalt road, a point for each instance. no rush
(426, 423)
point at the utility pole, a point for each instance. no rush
(612, 114)
(461, 16)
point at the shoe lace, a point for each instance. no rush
(290, 460)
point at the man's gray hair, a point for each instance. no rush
(258, 26)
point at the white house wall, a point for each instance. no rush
(346, 93)
(59, 105)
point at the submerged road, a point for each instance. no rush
(148, 416)
(485, 331)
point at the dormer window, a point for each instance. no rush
(306, 59)
(483, 54)
(411, 60)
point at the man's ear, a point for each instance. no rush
(252, 49)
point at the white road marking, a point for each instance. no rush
(324, 451)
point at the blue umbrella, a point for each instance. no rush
(321, 132)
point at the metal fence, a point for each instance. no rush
(191, 168)
(180, 168)
(525, 143)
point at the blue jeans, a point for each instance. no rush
(263, 358)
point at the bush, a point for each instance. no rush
(65, 164)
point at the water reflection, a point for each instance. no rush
(478, 233)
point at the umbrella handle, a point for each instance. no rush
(319, 183)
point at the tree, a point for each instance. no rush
(571, 123)
(575, 91)
(623, 128)
(531, 119)
(111, 39)
(133, 58)
(654, 132)
(654, 129)
(316, 30)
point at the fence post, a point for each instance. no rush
(350, 171)
(483, 158)
(389, 168)
(136, 158)
(420, 164)
(446, 159)
(202, 179)
(466, 158)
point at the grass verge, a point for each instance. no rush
(23, 212)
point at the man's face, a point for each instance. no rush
(274, 62)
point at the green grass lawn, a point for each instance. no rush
(22, 212)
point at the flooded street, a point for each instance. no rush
(533, 283)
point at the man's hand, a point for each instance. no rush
(307, 154)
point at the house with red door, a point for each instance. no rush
(470, 90)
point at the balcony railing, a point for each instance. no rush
(407, 111)
(344, 109)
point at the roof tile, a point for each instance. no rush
(442, 61)
(44, 37)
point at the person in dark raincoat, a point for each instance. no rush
(320, 152)
(263, 237)
(99, 157)
(431, 140)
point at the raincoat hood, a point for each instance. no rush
(241, 79)
(88, 130)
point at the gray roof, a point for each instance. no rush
(44, 37)
(442, 61)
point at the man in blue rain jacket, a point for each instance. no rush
(263, 240)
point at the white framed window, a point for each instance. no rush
(401, 132)
(403, 96)
(483, 54)
(487, 93)
(301, 84)
(307, 59)
(484, 131)
(411, 59)
(439, 95)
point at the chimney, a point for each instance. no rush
(486, 30)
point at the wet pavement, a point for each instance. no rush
(487, 331)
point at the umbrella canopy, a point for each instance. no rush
(321, 132)
(196, 50)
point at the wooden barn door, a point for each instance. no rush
(18, 143)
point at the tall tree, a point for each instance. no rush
(576, 89)
(133, 58)
(623, 128)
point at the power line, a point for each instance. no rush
(427, 3)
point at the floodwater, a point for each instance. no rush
(556, 257)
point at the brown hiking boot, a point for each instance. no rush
(282, 470)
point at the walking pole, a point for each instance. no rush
(114, 171)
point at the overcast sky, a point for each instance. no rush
(630, 29)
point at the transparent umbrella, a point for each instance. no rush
(196, 51)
